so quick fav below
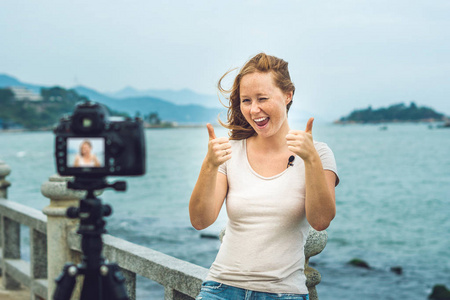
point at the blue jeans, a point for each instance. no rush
(212, 290)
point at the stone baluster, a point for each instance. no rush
(58, 227)
(5, 170)
(4, 184)
(10, 232)
(315, 243)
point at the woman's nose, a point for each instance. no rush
(255, 107)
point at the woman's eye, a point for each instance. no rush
(263, 98)
(245, 100)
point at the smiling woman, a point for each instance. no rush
(263, 104)
(260, 65)
(270, 205)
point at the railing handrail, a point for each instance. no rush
(164, 269)
(24, 215)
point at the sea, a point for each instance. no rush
(393, 204)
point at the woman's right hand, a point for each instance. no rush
(219, 149)
(211, 188)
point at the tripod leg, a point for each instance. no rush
(65, 282)
(113, 282)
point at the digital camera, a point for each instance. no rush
(92, 144)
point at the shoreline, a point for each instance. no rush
(145, 128)
(395, 121)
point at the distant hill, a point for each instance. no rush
(394, 113)
(6, 80)
(166, 110)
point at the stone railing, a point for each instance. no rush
(54, 241)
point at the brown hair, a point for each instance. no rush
(236, 123)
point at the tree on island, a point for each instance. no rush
(394, 113)
(153, 119)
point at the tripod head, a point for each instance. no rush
(93, 184)
(91, 211)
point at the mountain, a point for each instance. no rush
(181, 97)
(6, 81)
(167, 111)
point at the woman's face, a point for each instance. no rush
(263, 104)
(85, 149)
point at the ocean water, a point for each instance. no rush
(393, 204)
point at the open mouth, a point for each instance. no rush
(261, 122)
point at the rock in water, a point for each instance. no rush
(359, 263)
(397, 270)
(440, 292)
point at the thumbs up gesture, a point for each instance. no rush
(301, 142)
(219, 149)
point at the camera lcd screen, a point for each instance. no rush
(86, 152)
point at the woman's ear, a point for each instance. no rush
(289, 97)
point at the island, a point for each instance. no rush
(394, 113)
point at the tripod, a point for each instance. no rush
(102, 280)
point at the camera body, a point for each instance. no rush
(91, 144)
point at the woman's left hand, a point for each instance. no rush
(301, 142)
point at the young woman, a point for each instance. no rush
(86, 158)
(276, 182)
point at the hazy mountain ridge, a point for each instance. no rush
(167, 110)
(180, 97)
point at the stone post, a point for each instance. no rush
(316, 242)
(58, 227)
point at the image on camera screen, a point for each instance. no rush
(85, 152)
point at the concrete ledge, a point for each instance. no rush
(24, 215)
(171, 272)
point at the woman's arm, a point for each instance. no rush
(96, 162)
(320, 204)
(211, 187)
(208, 197)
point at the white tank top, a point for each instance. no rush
(263, 246)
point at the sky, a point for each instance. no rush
(342, 55)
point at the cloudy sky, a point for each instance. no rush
(342, 54)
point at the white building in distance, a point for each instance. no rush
(23, 94)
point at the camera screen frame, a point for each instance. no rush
(75, 147)
(68, 150)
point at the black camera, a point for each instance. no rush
(92, 144)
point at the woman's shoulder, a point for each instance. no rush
(238, 147)
(321, 145)
(238, 143)
(322, 148)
